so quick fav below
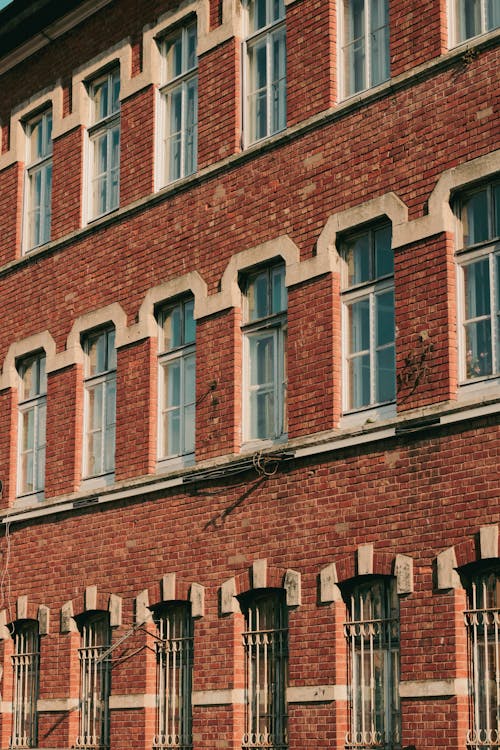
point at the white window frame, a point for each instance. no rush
(38, 169)
(356, 292)
(272, 326)
(104, 380)
(179, 84)
(95, 681)
(26, 683)
(346, 68)
(174, 676)
(275, 89)
(488, 251)
(104, 128)
(266, 670)
(368, 636)
(485, 19)
(33, 407)
(182, 356)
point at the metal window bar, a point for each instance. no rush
(25, 662)
(374, 671)
(266, 652)
(95, 685)
(174, 674)
(483, 625)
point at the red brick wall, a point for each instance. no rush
(137, 146)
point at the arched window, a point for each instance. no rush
(266, 665)
(483, 626)
(25, 664)
(174, 676)
(372, 632)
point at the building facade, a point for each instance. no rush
(250, 374)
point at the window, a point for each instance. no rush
(25, 663)
(265, 54)
(177, 379)
(483, 626)
(368, 318)
(365, 44)
(372, 632)
(473, 17)
(179, 104)
(266, 661)
(479, 282)
(265, 354)
(104, 138)
(38, 180)
(95, 681)
(100, 402)
(32, 416)
(174, 674)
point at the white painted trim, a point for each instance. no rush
(234, 696)
(316, 693)
(434, 688)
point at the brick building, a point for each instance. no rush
(249, 374)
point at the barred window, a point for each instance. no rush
(95, 681)
(483, 626)
(174, 676)
(266, 664)
(25, 663)
(372, 631)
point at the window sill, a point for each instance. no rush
(27, 500)
(251, 446)
(103, 480)
(368, 415)
(477, 388)
(165, 465)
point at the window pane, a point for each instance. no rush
(384, 257)
(279, 292)
(493, 11)
(172, 434)
(385, 318)
(28, 421)
(386, 375)
(495, 191)
(475, 218)
(173, 383)
(189, 379)
(189, 429)
(257, 14)
(262, 359)
(469, 18)
(477, 286)
(359, 381)
(358, 259)
(100, 97)
(258, 296)
(189, 322)
(173, 55)
(278, 91)
(359, 326)
(379, 38)
(257, 58)
(191, 121)
(478, 348)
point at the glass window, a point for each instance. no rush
(25, 663)
(180, 104)
(32, 419)
(369, 329)
(95, 680)
(266, 670)
(483, 626)
(177, 362)
(473, 17)
(100, 402)
(365, 44)
(265, 334)
(104, 136)
(38, 180)
(479, 270)
(372, 632)
(265, 54)
(174, 676)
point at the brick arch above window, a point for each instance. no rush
(169, 588)
(484, 545)
(25, 609)
(260, 575)
(91, 600)
(365, 561)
